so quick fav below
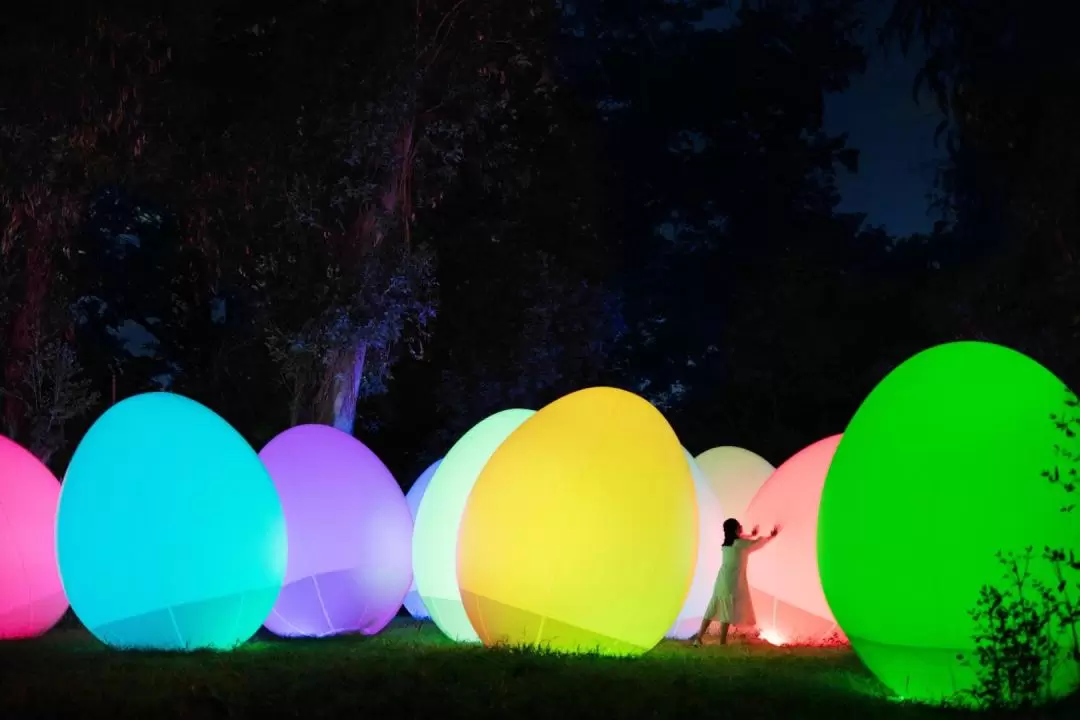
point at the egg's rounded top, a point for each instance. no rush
(734, 474)
(343, 507)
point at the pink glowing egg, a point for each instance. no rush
(32, 598)
(784, 582)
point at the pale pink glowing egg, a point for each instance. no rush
(784, 582)
(32, 598)
(735, 475)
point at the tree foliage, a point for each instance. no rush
(438, 209)
(262, 188)
(743, 286)
(1006, 82)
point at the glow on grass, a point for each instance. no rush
(773, 637)
(581, 532)
(438, 521)
(784, 583)
(170, 534)
(414, 604)
(939, 469)
(350, 534)
(32, 599)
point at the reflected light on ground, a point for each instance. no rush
(773, 637)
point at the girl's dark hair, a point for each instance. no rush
(731, 531)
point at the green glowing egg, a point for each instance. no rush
(939, 470)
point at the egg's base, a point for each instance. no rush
(684, 628)
(332, 603)
(500, 624)
(937, 675)
(30, 620)
(215, 624)
(782, 623)
(414, 605)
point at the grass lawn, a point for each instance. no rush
(407, 672)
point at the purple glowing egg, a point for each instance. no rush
(413, 602)
(350, 534)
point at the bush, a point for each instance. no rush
(1018, 622)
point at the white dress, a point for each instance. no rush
(730, 601)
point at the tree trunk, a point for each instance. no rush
(341, 388)
(29, 216)
(45, 454)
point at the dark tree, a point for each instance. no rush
(1006, 81)
(757, 315)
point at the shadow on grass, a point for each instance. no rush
(411, 672)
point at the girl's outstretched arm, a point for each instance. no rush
(756, 543)
(760, 542)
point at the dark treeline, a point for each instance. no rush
(401, 217)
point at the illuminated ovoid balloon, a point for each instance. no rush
(438, 521)
(784, 582)
(581, 532)
(413, 602)
(32, 599)
(709, 555)
(734, 475)
(938, 470)
(350, 534)
(170, 534)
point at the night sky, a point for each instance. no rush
(894, 134)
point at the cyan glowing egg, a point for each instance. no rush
(414, 604)
(350, 534)
(170, 534)
(31, 596)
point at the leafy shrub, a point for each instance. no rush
(1018, 622)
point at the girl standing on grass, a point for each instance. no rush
(730, 603)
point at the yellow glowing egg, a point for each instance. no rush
(581, 532)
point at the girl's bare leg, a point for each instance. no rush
(723, 632)
(702, 630)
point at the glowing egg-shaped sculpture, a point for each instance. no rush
(414, 604)
(734, 475)
(350, 534)
(784, 583)
(581, 532)
(438, 521)
(939, 470)
(709, 556)
(170, 534)
(32, 599)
